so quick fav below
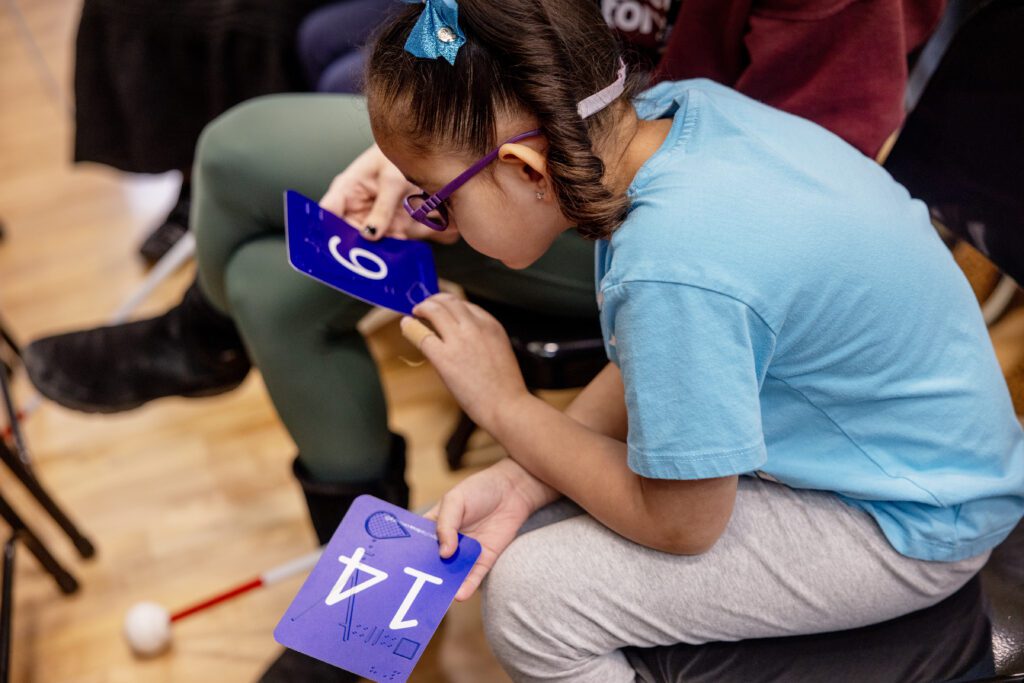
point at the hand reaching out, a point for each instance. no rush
(370, 193)
(490, 506)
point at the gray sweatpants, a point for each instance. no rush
(568, 594)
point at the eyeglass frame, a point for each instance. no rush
(435, 201)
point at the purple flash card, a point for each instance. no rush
(378, 593)
(396, 274)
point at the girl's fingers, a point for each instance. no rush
(458, 308)
(449, 519)
(379, 220)
(335, 199)
(438, 315)
(480, 314)
(338, 198)
(416, 332)
(473, 580)
(431, 514)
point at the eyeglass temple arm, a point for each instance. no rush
(464, 177)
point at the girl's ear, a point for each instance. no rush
(531, 163)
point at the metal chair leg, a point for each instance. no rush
(7, 607)
(179, 254)
(18, 463)
(10, 352)
(84, 546)
(65, 581)
(8, 340)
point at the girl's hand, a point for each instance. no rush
(490, 506)
(370, 193)
(472, 353)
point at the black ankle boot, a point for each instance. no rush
(191, 350)
(328, 503)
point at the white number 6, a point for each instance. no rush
(356, 254)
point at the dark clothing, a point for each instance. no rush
(961, 148)
(839, 63)
(642, 25)
(332, 42)
(149, 74)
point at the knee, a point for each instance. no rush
(229, 146)
(525, 612)
(257, 290)
(273, 303)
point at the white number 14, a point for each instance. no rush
(339, 592)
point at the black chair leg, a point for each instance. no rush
(8, 340)
(18, 463)
(84, 546)
(7, 608)
(458, 441)
(10, 352)
(65, 581)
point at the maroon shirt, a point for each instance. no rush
(839, 63)
(643, 26)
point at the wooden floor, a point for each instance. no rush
(182, 498)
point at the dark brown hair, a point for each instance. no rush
(538, 57)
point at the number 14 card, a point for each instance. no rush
(395, 274)
(378, 593)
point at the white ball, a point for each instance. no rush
(147, 627)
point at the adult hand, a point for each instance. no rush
(472, 353)
(490, 506)
(369, 193)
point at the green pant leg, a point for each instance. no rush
(300, 334)
(318, 371)
(248, 157)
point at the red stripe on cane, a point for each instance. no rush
(217, 599)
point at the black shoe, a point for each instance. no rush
(191, 350)
(328, 503)
(167, 234)
(295, 667)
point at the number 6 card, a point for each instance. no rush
(395, 274)
(377, 594)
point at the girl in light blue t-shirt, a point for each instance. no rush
(802, 427)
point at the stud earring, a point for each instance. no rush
(540, 195)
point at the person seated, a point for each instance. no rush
(148, 79)
(332, 43)
(248, 305)
(802, 427)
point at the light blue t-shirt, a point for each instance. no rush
(779, 305)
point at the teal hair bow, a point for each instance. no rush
(437, 33)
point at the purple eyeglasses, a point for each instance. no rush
(422, 206)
